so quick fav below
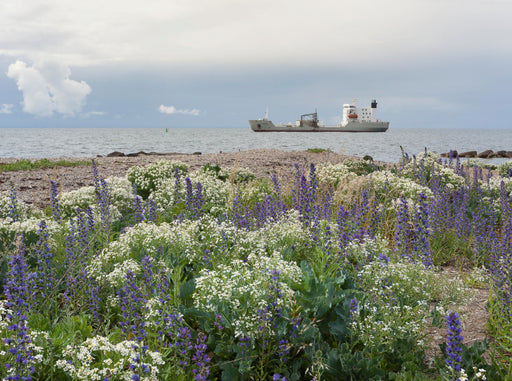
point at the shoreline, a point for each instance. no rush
(33, 186)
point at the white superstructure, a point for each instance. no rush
(354, 119)
(352, 113)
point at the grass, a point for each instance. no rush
(318, 150)
(28, 165)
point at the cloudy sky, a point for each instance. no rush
(218, 63)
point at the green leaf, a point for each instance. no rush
(187, 289)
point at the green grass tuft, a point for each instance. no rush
(318, 150)
(28, 165)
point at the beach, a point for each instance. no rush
(33, 186)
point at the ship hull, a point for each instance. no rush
(262, 125)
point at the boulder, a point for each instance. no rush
(116, 154)
(509, 154)
(135, 154)
(501, 153)
(485, 154)
(452, 154)
(469, 154)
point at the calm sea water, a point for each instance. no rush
(79, 142)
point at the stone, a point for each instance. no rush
(469, 154)
(485, 154)
(116, 154)
(452, 154)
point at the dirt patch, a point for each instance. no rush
(473, 313)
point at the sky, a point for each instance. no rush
(219, 63)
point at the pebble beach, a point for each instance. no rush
(34, 186)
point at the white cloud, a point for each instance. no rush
(93, 113)
(6, 108)
(240, 32)
(47, 88)
(173, 110)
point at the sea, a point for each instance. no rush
(388, 146)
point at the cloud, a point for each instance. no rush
(93, 113)
(234, 32)
(47, 88)
(6, 108)
(173, 110)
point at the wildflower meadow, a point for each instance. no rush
(331, 272)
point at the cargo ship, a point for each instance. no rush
(354, 119)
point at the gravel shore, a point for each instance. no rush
(34, 186)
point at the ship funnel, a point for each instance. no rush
(374, 103)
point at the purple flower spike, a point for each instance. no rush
(454, 345)
(18, 294)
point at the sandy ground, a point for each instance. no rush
(34, 186)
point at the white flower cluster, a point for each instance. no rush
(403, 292)
(462, 376)
(28, 227)
(406, 282)
(448, 177)
(285, 232)
(242, 288)
(23, 208)
(111, 264)
(334, 174)
(431, 164)
(120, 190)
(382, 326)
(250, 193)
(473, 162)
(494, 185)
(398, 186)
(240, 175)
(365, 250)
(99, 359)
(148, 178)
(215, 192)
(4, 311)
(505, 168)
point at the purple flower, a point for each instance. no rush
(18, 294)
(200, 359)
(102, 198)
(13, 206)
(55, 201)
(353, 307)
(44, 256)
(454, 344)
(402, 228)
(133, 324)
